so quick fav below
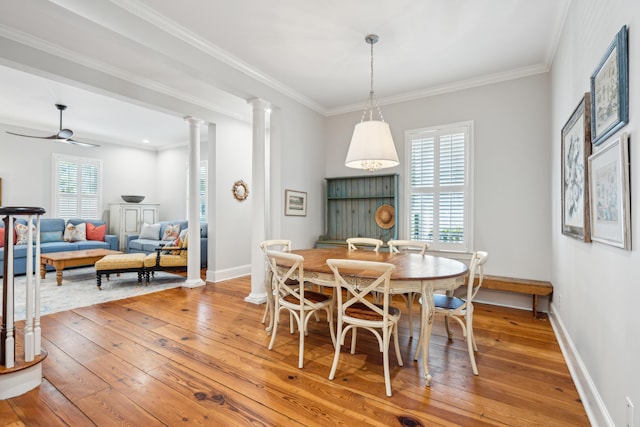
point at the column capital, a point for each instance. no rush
(193, 120)
(259, 103)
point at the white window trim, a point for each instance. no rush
(469, 185)
(56, 159)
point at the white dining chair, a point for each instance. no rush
(364, 242)
(301, 303)
(461, 309)
(281, 245)
(356, 311)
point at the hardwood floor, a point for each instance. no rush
(200, 357)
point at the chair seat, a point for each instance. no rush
(361, 311)
(314, 297)
(166, 260)
(446, 302)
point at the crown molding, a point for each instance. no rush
(158, 20)
(447, 88)
(104, 67)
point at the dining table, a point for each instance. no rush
(423, 274)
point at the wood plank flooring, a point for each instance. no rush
(199, 357)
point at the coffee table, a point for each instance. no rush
(62, 260)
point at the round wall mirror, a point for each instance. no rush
(240, 190)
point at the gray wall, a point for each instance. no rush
(511, 166)
(596, 286)
(25, 169)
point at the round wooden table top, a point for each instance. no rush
(409, 266)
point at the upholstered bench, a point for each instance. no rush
(120, 263)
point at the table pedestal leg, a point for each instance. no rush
(59, 276)
(425, 329)
(43, 270)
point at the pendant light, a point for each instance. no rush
(372, 146)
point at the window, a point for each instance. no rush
(203, 186)
(438, 196)
(77, 187)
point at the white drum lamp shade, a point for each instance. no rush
(372, 147)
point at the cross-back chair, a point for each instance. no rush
(354, 243)
(356, 310)
(291, 296)
(461, 309)
(282, 245)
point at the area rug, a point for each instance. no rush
(79, 289)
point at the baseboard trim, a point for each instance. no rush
(593, 404)
(228, 274)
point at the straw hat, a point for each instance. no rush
(385, 216)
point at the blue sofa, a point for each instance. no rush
(148, 246)
(49, 226)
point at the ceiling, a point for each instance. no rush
(209, 55)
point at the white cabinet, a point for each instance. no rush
(127, 218)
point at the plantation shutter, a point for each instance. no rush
(438, 188)
(77, 187)
(203, 191)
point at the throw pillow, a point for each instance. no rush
(96, 232)
(172, 232)
(150, 231)
(177, 244)
(50, 236)
(1, 237)
(184, 244)
(75, 233)
(22, 233)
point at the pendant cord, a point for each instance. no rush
(373, 101)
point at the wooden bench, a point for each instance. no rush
(535, 288)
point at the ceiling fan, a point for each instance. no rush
(63, 135)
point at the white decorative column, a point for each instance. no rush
(259, 214)
(193, 263)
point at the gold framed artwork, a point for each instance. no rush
(240, 190)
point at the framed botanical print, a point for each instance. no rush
(576, 148)
(610, 90)
(609, 194)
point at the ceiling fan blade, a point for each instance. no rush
(81, 144)
(32, 136)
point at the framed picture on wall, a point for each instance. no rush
(295, 203)
(576, 148)
(609, 194)
(610, 90)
